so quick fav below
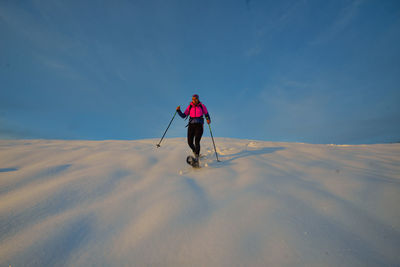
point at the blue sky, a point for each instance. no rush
(302, 71)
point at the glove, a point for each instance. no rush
(178, 108)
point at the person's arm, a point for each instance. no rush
(208, 118)
(206, 114)
(181, 114)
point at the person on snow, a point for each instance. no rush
(195, 111)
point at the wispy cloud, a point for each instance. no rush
(278, 18)
(292, 100)
(255, 50)
(342, 21)
(30, 27)
(47, 45)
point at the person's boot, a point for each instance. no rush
(197, 157)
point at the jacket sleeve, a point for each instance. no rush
(206, 113)
(181, 114)
(185, 114)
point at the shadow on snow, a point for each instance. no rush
(247, 153)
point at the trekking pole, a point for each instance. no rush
(158, 145)
(213, 143)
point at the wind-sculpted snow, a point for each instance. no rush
(128, 203)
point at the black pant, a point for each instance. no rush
(195, 132)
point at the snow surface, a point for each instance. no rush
(128, 203)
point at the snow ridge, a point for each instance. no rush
(113, 203)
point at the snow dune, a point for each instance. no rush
(127, 203)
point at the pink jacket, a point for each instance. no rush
(196, 113)
(196, 110)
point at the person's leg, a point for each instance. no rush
(198, 135)
(190, 137)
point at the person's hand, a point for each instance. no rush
(178, 108)
(208, 121)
